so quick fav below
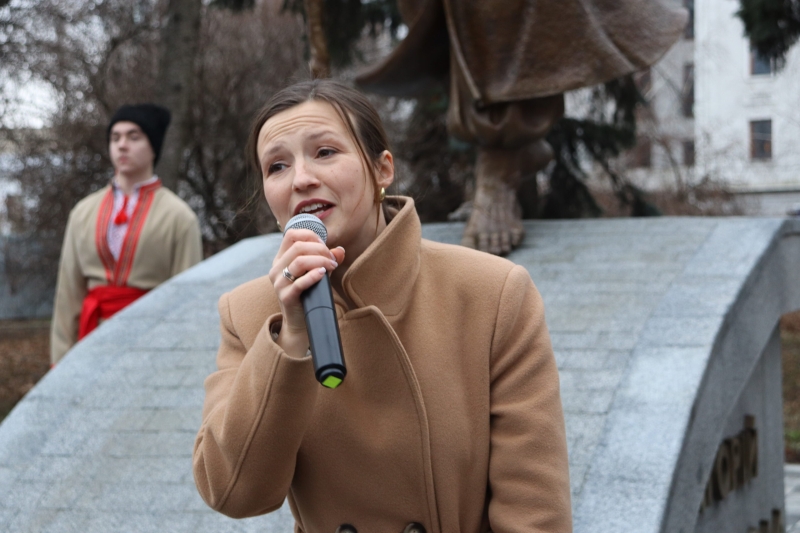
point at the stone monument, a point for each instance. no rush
(664, 331)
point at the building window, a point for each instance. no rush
(687, 91)
(688, 153)
(640, 154)
(759, 65)
(688, 31)
(761, 140)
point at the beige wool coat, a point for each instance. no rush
(449, 417)
(163, 240)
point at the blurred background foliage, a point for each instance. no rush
(772, 26)
(94, 55)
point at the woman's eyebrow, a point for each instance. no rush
(272, 149)
(316, 135)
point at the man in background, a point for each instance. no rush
(124, 239)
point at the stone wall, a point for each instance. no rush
(663, 331)
(755, 494)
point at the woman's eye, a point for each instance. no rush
(325, 152)
(275, 167)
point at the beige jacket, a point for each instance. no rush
(163, 239)
(450, 414)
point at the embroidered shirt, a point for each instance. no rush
(117, 231)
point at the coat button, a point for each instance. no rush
(414, 527)
(346, 528)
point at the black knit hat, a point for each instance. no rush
(153, 119)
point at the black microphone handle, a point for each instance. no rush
(323, 333)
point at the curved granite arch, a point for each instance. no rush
(661, 329)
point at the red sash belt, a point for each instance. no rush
(104, 302)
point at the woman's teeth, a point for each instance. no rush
(310, 208)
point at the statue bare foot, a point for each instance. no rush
(495, 220)
(495, 224)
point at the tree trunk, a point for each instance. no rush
(180, 35)
(320, 60)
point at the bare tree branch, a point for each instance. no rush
(320, 58)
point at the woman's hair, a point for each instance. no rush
(357, 113)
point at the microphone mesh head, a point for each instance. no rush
(308, 221)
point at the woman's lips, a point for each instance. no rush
(324, 213)
(316, 207)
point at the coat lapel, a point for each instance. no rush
(385, 273)
(374, 427)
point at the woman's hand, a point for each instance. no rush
(307, 258)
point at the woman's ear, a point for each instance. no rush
(385, 169)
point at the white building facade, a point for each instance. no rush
(720, 114)
(665, 154)
(747, 125)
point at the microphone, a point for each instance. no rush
(321, 324)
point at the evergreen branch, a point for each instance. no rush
(773, 26)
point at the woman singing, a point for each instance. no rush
(450, 419)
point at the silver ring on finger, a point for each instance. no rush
(288, 275)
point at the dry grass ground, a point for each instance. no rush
(24, 359)
(790, 338)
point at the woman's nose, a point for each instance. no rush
(304, 177)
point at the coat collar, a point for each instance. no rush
(385, 273)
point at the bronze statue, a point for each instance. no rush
(509, 63)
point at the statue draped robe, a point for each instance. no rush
(512, 50)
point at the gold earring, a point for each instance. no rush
(383, 194)
(279, 226)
